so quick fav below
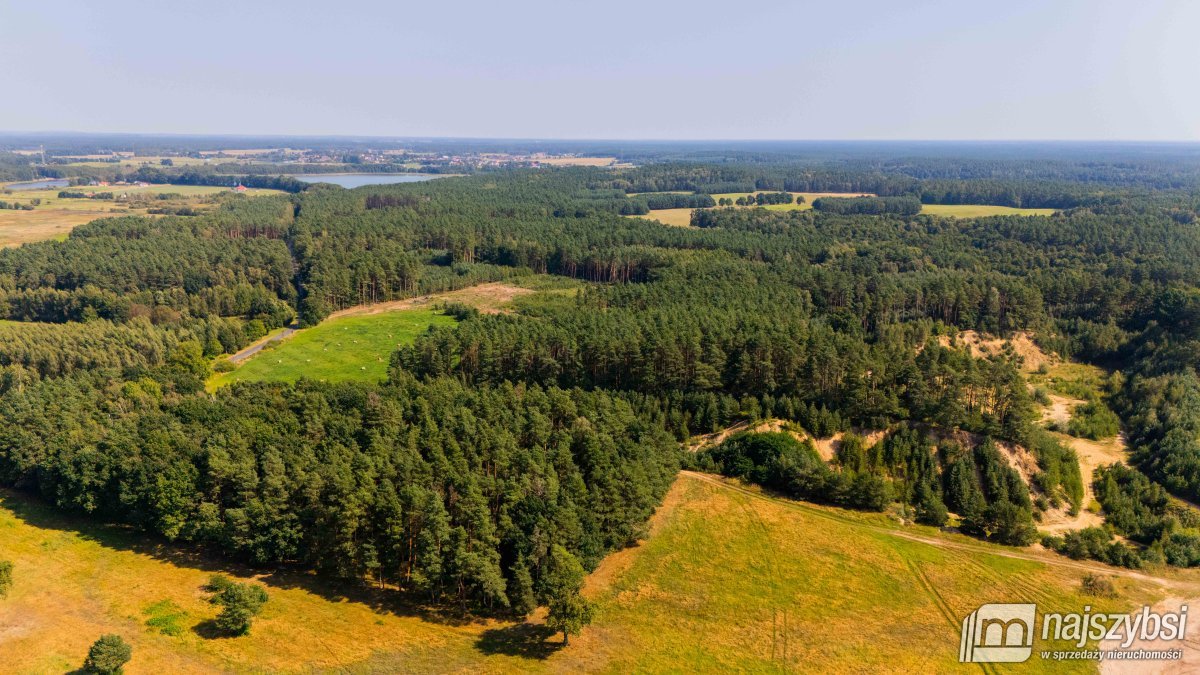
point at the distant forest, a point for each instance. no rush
(498, 439)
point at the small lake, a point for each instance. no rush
(38, 184)
(353, 180)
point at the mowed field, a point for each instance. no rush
(54, 217)
(356, 344)
(728, 579)
(347, 348)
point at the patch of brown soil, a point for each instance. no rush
(828, 447)
(1092, 454)
(491, 298)
(698, 443)
(1190, 646)
(1022, 345)
(1059, 410)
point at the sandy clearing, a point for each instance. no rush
(490, 298)
(1022, 344)
(828, 447)
(1190, 645)
(1059, 410)
(1091, 454)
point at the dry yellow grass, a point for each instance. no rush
(672, 217)
(980, 210)
(54, 217)
(74, 582)
(732, 579)
(490, 298)
(729, 579)
(19, 227)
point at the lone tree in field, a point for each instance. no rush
(569, 611)
(5, 577)
(108, 655)
(240, 602)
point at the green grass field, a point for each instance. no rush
(353, 348)
(729, 579)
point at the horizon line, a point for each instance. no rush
(563, 139)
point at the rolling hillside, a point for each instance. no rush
(728, 578)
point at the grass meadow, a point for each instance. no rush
(350, 348)
(54, 217)
(728, 579)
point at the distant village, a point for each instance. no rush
(410, 159)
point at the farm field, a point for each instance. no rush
(19, 227)
(728, 578)
(54, 217)
(683, 217)
(98, 161)
(347, 348)
(672, 217)
(980, 210)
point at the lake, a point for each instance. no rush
(353, 180)
(38, 184)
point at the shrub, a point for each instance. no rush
(108, 655)
(1098, 586)
(1094, 420)
(240, 603)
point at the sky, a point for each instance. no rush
(846, 69)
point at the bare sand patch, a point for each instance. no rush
(490, 298)
(985, 346)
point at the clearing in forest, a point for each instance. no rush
(980, 210)
(683, 217)
(348, 348)
(356, 344)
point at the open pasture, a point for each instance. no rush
(347, 348)
(728, 578)
(53, 217)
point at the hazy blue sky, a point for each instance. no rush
(894, 69)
